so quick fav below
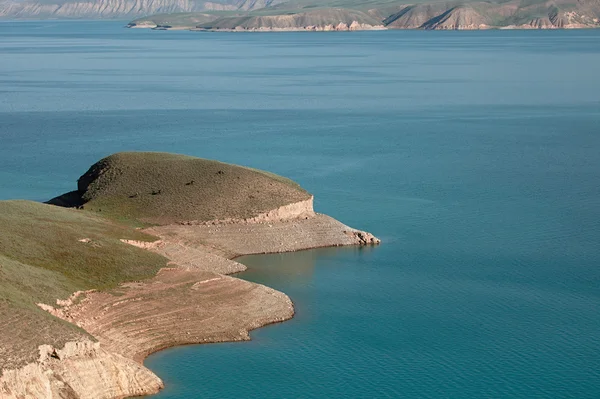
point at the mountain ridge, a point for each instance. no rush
(306, 15)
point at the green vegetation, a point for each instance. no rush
(160, 188)
(45, 240)
(42, 259)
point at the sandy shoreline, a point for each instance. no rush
(192, 301)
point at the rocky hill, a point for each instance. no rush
(277, 15)
(455, 15)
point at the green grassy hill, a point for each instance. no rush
(47, 253)
(161, 188)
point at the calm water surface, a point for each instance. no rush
(474, 156)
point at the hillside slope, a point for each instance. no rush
(442, 15)
(520, 14)
(46, 253)
(326, 19)
(275, 15)
(114, 9)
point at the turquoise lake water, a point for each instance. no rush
(474, 156)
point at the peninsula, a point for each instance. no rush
(136, 260)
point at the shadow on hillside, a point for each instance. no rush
(72, 199)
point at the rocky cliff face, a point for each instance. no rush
(81, 369)
(484, 15)
(181, 305)
(296, 210)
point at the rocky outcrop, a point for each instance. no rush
(363, 238)
(296, 210)
(232, 240)
(179, 306)
(82, 369)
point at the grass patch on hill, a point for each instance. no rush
(161, 188)
(42, 259)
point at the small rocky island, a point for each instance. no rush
(136, 260)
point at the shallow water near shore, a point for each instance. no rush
(472, 155)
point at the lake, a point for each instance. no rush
(472, 155)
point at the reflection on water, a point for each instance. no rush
(298, 267)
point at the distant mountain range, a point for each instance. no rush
(281, 15)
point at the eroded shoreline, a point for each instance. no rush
(192, 301)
